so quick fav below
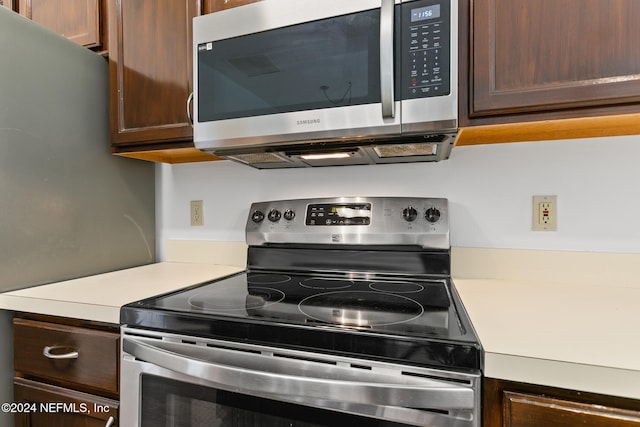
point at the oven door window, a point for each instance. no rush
(327, 63)
(170, 403)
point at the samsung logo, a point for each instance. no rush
(309, 122)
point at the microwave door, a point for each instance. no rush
(317, 79)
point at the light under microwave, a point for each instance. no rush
(294, 80)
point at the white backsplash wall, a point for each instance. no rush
(489, 189)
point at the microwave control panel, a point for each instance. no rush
(426, 48)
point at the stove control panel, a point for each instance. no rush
(351, 220)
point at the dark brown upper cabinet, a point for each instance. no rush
(553, 59)
(150, 70)
(78, 20)
(150, 79)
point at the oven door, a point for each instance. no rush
(169, 380)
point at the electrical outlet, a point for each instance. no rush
(545, 213)
(197, 215)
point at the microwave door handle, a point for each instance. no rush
(189, 107)
(386, 58)
(275, 381)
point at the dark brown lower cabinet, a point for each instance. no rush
(67, 372)
(46, 405)
(512, 404)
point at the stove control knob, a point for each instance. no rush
(257, 216)
(274, 215)
(289, 214)
(432, 215)
(409, 214)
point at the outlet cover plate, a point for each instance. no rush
(545, 213)
(197, 215)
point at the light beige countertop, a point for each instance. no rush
(560, 319)
(570, 336)
(569, 326)
(99, 298)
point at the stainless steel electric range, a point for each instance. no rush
(346, 313)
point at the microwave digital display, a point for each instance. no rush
(424, 13)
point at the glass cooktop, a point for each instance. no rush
(390, 305)
(419, 318)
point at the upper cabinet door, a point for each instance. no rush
(77, 20)
(545, 55)
(150, 70)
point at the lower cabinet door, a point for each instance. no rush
(42, 405)
(516, 404)
(526, 410)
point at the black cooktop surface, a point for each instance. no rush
(419, 321)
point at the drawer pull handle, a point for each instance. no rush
(47, 352)
(110, 422)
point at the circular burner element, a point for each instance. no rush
(267, 279)
(258, 297)
(360, 308)
(325, 283)
(396, 287)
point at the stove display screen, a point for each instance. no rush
(339, 214)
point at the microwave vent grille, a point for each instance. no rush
(256, 158)
(406, 150)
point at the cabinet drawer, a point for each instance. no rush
(57, 406)
(78, 357)
(526, 410)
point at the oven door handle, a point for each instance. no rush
(257, 374)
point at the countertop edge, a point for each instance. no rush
(71, 298)
(567, 375)
(74, 310)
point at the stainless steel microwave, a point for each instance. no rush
(289, 83)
